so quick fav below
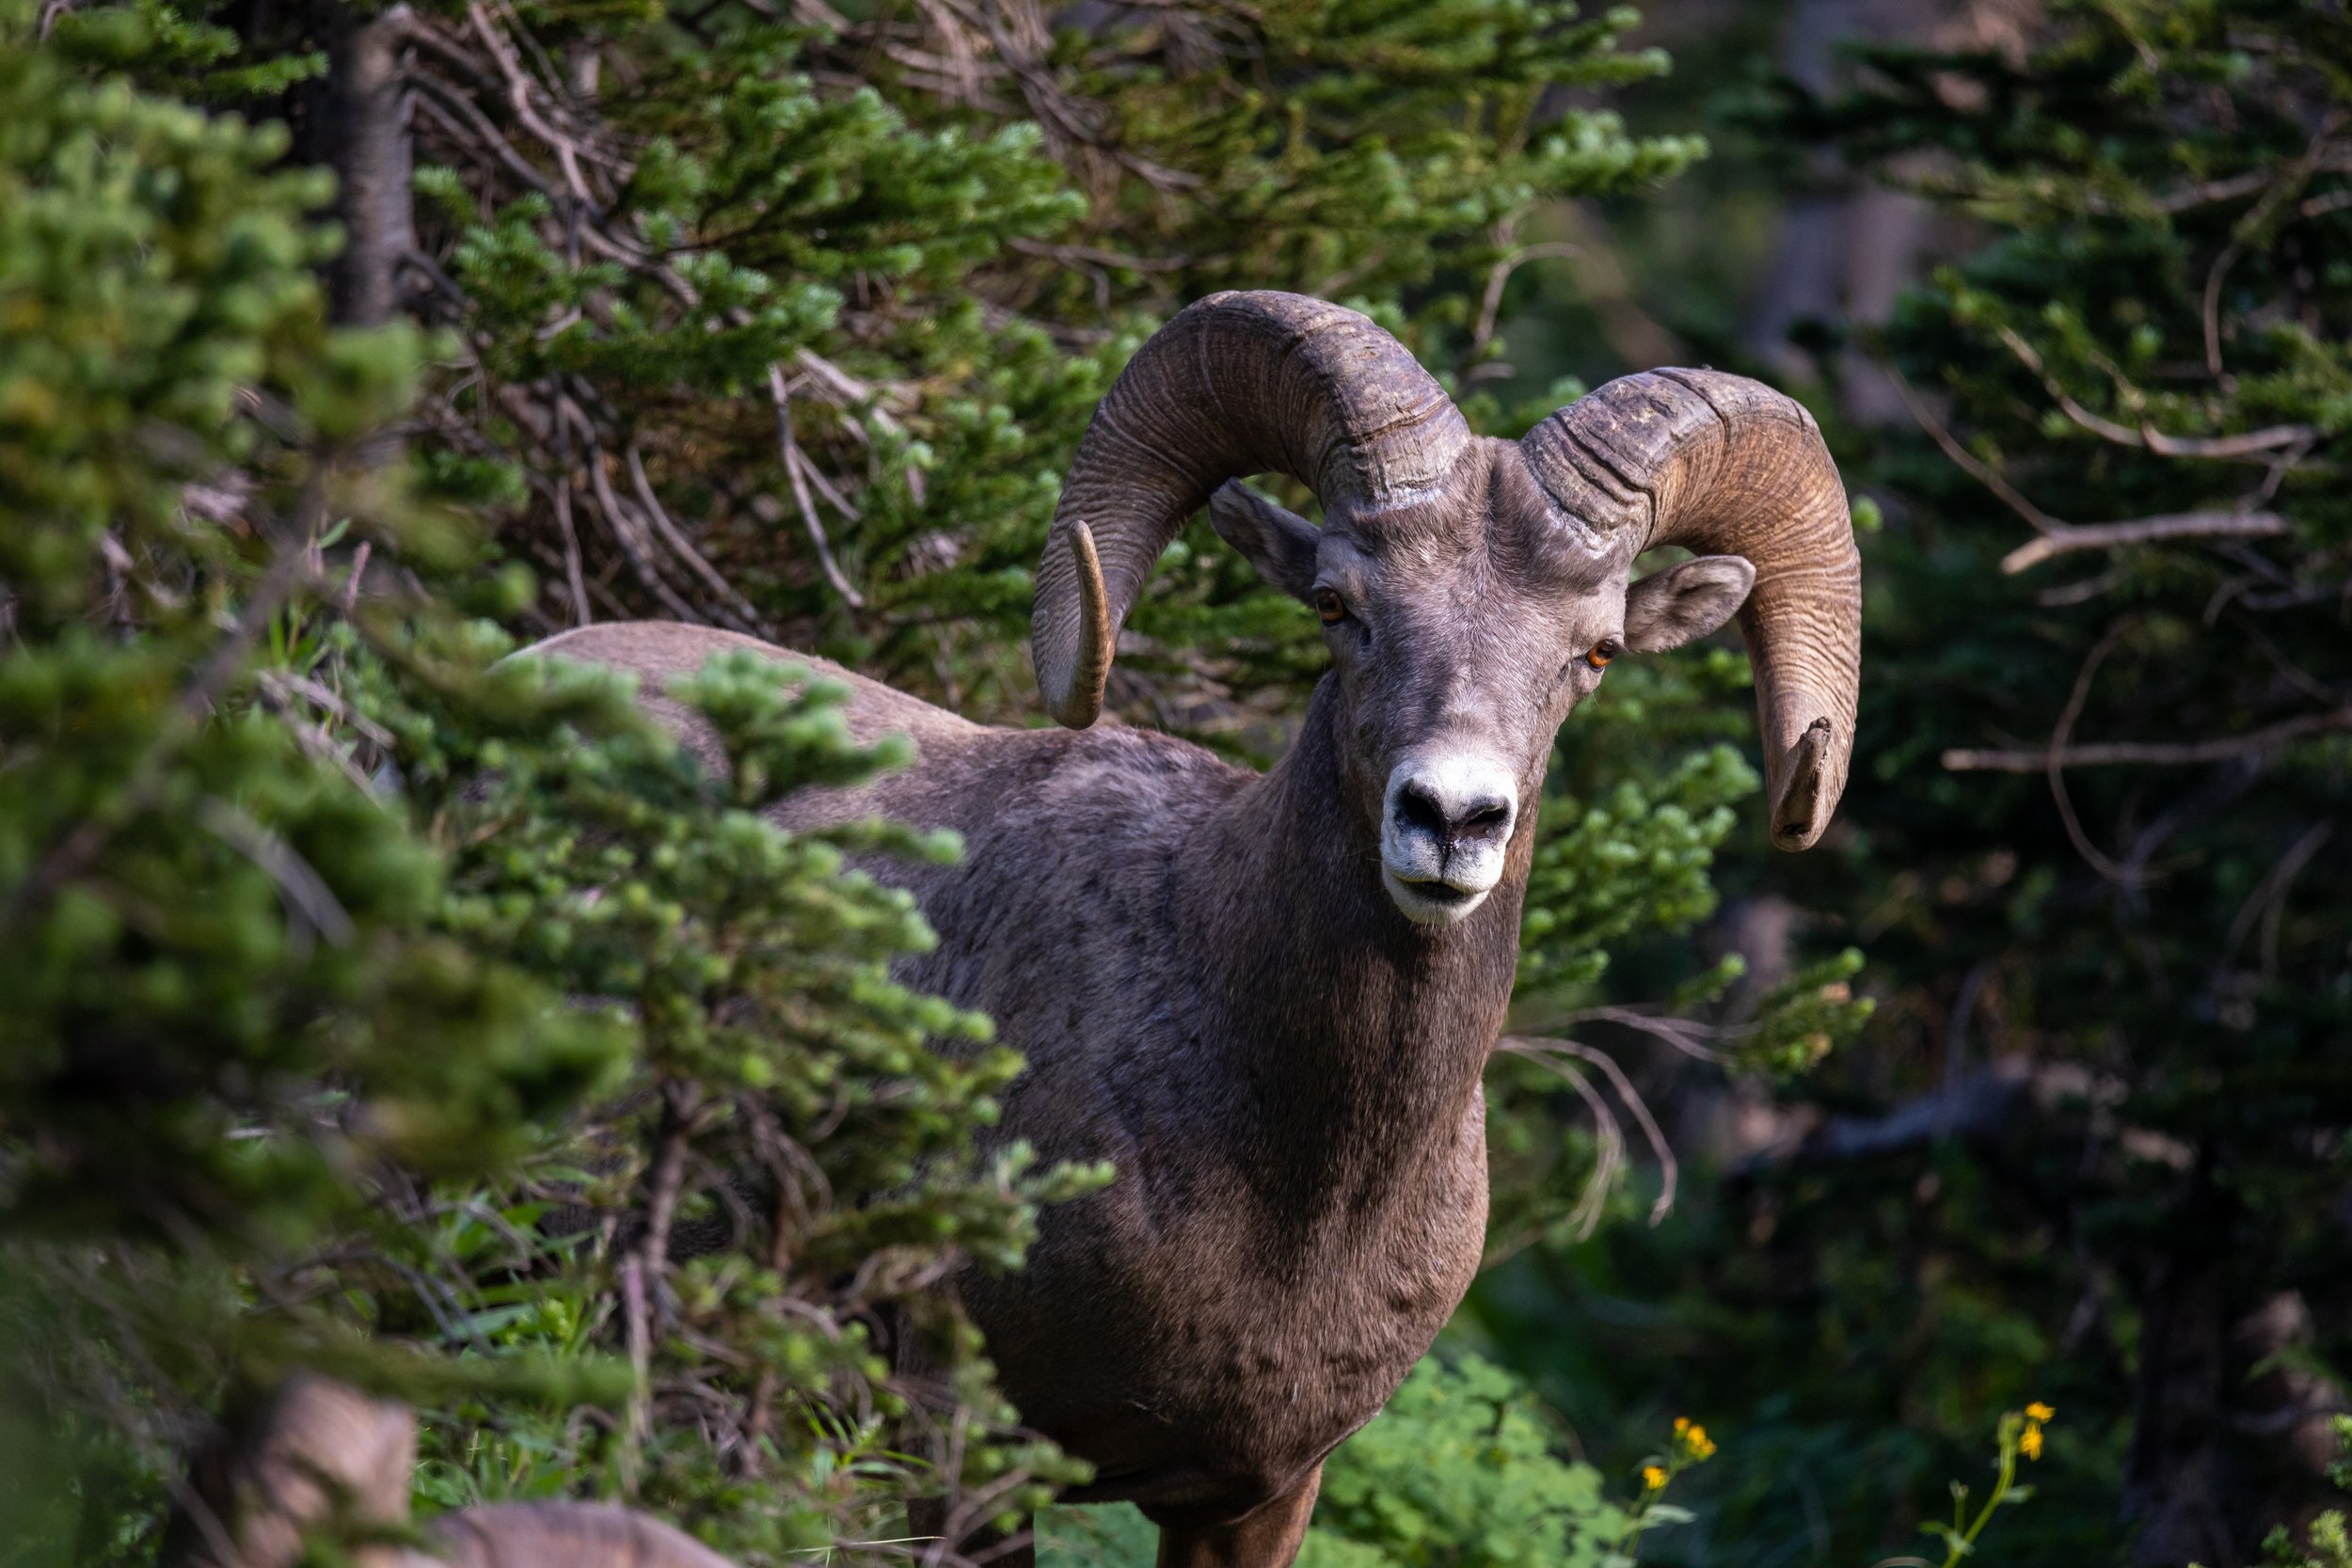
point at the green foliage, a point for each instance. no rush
(1459, 1469)
(2151, 960)
(1638, 861)
(2019, 1436)
(2327, 1544)
(334, 937)
(192, 892)
(768, 1037)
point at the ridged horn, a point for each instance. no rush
(1728, 467)
(1238, 384)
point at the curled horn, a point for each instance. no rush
(1728, 467)
(1238, 384)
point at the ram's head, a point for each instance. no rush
(1472, 591)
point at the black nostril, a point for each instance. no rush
(1417, 809)
(1486, 817)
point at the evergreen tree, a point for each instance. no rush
(297, 1058)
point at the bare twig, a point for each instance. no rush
(616, 516)
(1682, 1034)
(791, 451)
(1669, 1170)
(460, 118)
(2113, 870)
(749, 618)
(646, 1263)
(2088, 589)
(2250, 443)
(1513, 257)
(50, 11)
(574, 577)
(2269, 897)
(1585, 1217)
(2042, 522)
(2285, 184)
(310, 691)
(2148, 754)
(2061, 538)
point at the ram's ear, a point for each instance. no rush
(1281, 544)
(1685, 602)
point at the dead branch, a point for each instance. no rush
(1669, 1169)
(573, 573)
(2288, 181)
(616, 517)
(2062, 538)
(72, 854)
(2147, 436)
(1546, 1053)
(1967, 461)
(1981, 1106)
(1682, 1034)
(304, 892)
(2115, 871)
(745, 618)
(2264, 904)
(790, 449)
(2150, 753)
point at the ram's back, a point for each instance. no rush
(1057, 919)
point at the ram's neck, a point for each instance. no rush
(1356, 1037)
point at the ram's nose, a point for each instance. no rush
(1447, 822)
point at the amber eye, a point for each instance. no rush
(1602, 653)
(1330, 606)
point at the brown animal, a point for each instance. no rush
(1268, 998)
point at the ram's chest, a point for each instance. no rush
(1226, 1345)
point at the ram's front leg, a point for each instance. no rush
(1267, 1537)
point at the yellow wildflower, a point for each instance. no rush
(2039, 1412)
(2030, 1444)
(1682, 1424)
(1653, 1478)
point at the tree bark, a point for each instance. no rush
(363, 133)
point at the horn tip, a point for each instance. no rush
(1801, 812)
(1073, 685)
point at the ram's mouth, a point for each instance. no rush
(1432, 902)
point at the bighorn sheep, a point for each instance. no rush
(1268, 998)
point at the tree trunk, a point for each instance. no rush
(2171, 1479)
(363, 135)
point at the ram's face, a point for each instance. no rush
(1472, 590)
(1462, 630)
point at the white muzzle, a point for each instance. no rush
(1444, 826)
